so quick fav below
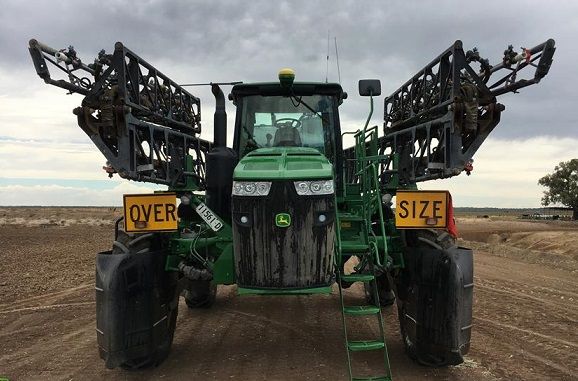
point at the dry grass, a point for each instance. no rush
(58, 216)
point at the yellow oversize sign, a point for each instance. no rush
(150, 212)
(421, 209)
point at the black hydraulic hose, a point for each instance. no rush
(193, 273)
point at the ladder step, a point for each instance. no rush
(361, 310)
(358, 278)
(366, 345)
(353, 247)
(372, 378)
(353, 189)
(350, 217)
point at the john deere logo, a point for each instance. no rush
(282, 220)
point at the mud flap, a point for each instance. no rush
(136, 307)
(436, 313)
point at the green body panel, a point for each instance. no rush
(224, 267)
(216, 246)
(172, 263)
(284, 163)
(300, 291)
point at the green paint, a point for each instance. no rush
(284, 163)
(283, 220)
(224, 268)
(202, 247)
(275, 291)
(172, 263)
(362, 231)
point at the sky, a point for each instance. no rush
(45, 158)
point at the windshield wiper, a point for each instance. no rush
(301, 101)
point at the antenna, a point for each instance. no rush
(337, 58)
(327, 64)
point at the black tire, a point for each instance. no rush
(423, 238)
(137, 244)
(386, 295)
(200, 294)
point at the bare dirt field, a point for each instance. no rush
(525, 311)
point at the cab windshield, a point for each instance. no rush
(283, 121)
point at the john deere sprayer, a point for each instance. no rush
(282, 210)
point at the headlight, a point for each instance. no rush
(251, 188)
(305, 188)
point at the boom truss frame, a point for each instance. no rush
(142, 121)
(436, 121)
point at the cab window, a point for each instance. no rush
(282, 121)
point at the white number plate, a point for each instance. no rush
(209, 217)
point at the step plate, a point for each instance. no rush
(361, 310)
(367, 345)
(358, 277)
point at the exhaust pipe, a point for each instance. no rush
(220, 120)
(220, 162)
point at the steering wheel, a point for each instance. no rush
(295, 123)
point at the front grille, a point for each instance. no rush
(297, 256)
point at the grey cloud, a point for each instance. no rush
(251, 40)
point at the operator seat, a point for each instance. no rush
(287, 136)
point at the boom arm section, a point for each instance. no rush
(142, 121)
(438, 119)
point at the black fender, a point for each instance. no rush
(136, 307)
(435, 299)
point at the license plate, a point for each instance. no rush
(421, 209)
(209, 217)
(150, 212)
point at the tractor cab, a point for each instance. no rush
(287, 114)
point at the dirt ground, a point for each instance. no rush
(525, 311)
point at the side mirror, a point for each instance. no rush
(369, 87)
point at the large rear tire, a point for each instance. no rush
(159, 288)
(413, 308)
